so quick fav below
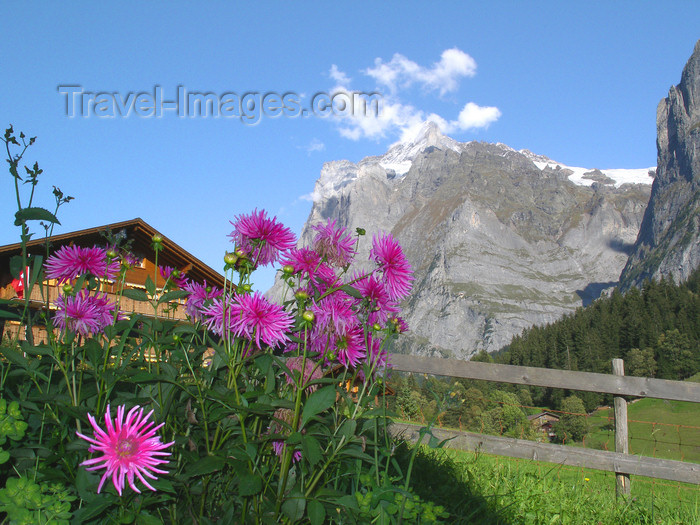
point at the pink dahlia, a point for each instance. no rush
(200, 294)
(218, 316)
(175, 276)
(392, 262)
(307, 262)
(70, 262)
(83, 313)
(129, 448)
(258, 320)
(334, 244)
(337, 333)
(262, 238)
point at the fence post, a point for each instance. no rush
(622, 487)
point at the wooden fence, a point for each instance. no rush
(620, 462)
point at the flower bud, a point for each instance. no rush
(230, 258)
(67, 289)
(308, 316)
(157, 239)
(288, 269)
(376, 327)
(301, 295)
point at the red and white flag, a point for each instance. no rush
(18, 284)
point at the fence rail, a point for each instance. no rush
(618, 385)
(548, 377)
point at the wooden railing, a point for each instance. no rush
(620, 462)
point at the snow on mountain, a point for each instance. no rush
(400, 155)
(587, 176)
(397, 161)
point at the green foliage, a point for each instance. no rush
(662, 319)
(505, 417)
(572, 425)
(28, 503)
(255, 440)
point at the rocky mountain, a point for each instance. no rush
(499, 239)
(669, 238)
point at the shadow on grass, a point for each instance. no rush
(438, 478)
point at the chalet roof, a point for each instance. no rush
(544, 414)
(137, 229)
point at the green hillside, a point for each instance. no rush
(656, 330)
(657, 428)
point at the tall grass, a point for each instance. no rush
(481, 489)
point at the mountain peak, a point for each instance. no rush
(401, 154)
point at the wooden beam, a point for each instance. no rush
(561, 454)
(549, 377)
(622, 487)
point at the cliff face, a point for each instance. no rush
(669, 238)
(499, 239)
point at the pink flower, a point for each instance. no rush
(83, 313)
(218, 316)
(175, 276)
(377, 355)
(129, 448)
(334, 244)
(263, 239)
(249, 316)
(307, 262)
(396, 270)
(70, 262)
(337, 333)
(200, 294)
(260, 320)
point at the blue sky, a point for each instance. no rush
(578, 82)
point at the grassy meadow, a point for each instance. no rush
(484, 489)
(657, 428)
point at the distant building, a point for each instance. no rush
(141, 235)
(543, 422)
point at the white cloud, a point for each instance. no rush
(339, 76)
(443, 76)
(399, 118)
(474, 116)
(315, 145)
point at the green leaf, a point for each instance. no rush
(149, 519)
(294, 506)
(206, 465)
(150, 286)
(316, 512)
(312, 449)
(347, 429)
(14, 357)
(9, 315)
(351, 291)
(173, 296)
(319, 401)
(135, 294)
(34, 214)
(249, 485)
(15, 266)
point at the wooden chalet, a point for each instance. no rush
(543, 422)
(141, 235)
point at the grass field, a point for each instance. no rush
(483, 489)
(657, 428)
